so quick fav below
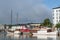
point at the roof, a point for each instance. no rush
(56, 7)
(33, 23)
(17, 25)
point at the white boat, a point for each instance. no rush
(44, 32)
(17, 32)
(10, 31)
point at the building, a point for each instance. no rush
(15, 26)
(56, 15)
(33, 25)
(1, 27)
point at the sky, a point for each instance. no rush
(34, 11)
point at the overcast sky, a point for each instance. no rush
(28, 10)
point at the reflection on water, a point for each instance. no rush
(4, 36)
(45, 37)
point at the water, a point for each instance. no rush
(4, 36)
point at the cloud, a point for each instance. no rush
(28, 10)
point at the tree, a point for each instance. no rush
(58, 25)
(47, 22)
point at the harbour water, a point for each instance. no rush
(5, 36)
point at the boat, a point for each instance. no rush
(9, 31)
(46, 31)
(24, 30)
(17, 31)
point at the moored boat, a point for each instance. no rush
(43, 31)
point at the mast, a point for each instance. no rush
(11, 17)
(17, 18)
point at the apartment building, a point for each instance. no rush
(56, 15)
